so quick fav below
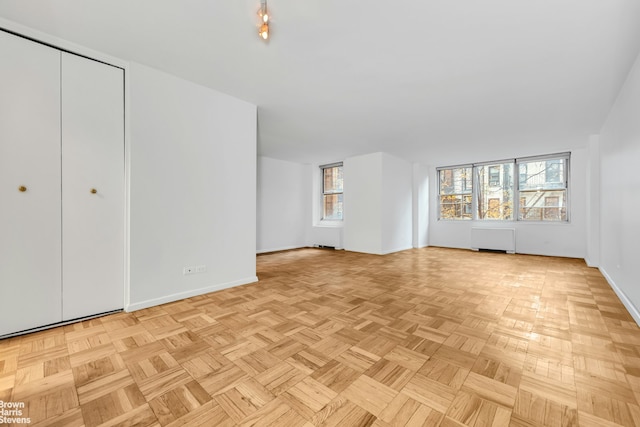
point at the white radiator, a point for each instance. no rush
(500, 239)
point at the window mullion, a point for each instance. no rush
(516, 191)
(474, 191)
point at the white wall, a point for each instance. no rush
(289, 206)
(420, 205)
(324, 235)
(620, 194)
(283, 204)
(592, 256)
(192, 188)
(396, 204)
(362, 203)
(553, 239)
(378, 216)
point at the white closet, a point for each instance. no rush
(61, 186)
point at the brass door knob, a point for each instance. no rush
(94, 191)
(22, 188)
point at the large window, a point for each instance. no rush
(494, 191)
(455, 193)
(487, 191)
(332, 191)
(543, 189)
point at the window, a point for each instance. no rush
(332, 191)
(553, 171)
(522, 172)
(455, 186)
(494, 195)
(486, 191)
(494, 176)
(544, 189)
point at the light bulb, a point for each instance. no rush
(265, 17)
(264, 31)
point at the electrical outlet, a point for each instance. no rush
(188, 270)
(201, 268)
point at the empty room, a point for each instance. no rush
(320, 213)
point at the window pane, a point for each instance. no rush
(455, 187)
(542, 175)
(455, 206)
(332, 206)
(455, 181)
(332, 185)
(332, 180)
(551, 208)
(548, 205)
(553, 171)
(494, 208)
(495, 191)
(494, 176)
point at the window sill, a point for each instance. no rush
(329, 224)
(505, 221)
(554, 223)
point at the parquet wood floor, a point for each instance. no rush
(433, 337)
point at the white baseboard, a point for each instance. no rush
(404, 248)
(284, 248)
(590, 264)
(188, 294)
(633, 311)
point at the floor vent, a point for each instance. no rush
(495, 251)
(324, 247)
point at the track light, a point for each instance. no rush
(263, 13)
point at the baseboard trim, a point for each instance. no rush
(284, 248)
(404, 248)
(633, 311)
(188, 294)
(590, 264)
(55, 325)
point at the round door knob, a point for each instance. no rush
(22, 188)
(94, 191)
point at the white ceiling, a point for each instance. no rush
(433, 81)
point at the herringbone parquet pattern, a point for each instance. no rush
(421, 337)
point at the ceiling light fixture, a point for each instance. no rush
(263, 13)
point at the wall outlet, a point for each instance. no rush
(193, 269)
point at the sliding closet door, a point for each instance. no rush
(30, 286)
(92, 187)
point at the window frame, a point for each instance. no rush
(517, 165)
(324, 192)
(466, 190)
(502, 184)
(565, 178)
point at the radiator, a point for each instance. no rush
(496, 239)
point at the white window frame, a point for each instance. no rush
(566, 175)
(476, 177)
(323, 193)
(470, 193)
(566, 156)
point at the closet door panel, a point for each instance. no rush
(92, 187)
(30, 258)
